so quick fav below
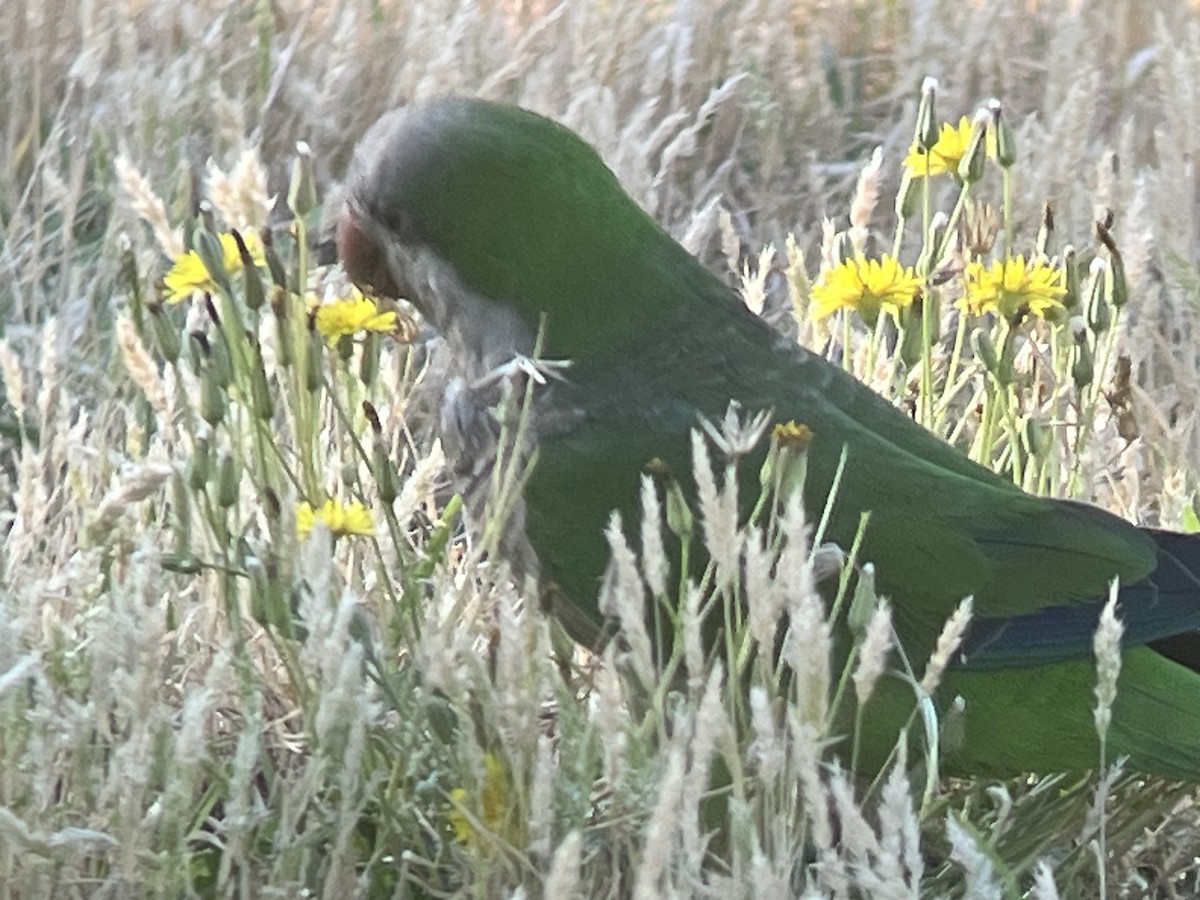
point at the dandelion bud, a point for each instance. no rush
(789, 452)
(680, 520)
(212, 397)
(1045, 231)
(1116, 288)
(954, 726)
(985, 350)
(842, 248)
(1005, 143)
(255, 296)
(274, 264)
(208, 219)
(1036, 437)
(1098, 315)
(912, 348)
(1070, 300)
(970, 167)
(908, 198)
(285, 354)
(229, 477)
(937, 231)
(133, 281)
(313, 376)
(166, 335)
(368, 365)
(200, 465)
(1083, 363)
(208, 248)
(926, 134)
(260, 390)
(302, 191)
(862, 604)
(372, 416)
(220, 361)
(198, 350)
(384, 473)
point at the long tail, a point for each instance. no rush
(1161, 610)
(1178, 580)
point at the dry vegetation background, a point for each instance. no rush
(137, 755)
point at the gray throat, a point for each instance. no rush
(483, 334)
(478, 397)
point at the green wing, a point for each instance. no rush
(941, 527)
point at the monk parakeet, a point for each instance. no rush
(506, 229)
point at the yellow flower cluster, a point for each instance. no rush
(1013, 289)
(866, 286)
(351, 315)
(946, 153)
(340, 518)
(493, 802)
(188, 274)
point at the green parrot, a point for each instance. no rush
(512, 237)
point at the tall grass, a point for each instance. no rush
(194, 700)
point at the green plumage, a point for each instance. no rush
(532, 226)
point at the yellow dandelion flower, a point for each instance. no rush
(1013, 288)
(189, 274)
(493, 802)
(351, 315)
(945, 154)
(792, 434)
(340, 518)
(866, 286)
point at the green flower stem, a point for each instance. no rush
(899, 238)
(873, 347)
(923, 401)
(265, 435)
(846, 355)
(925, 404)
(981, 450)
(951, 226)
(848, 568)
(1006, 209)
(927, 316)
(304, 404)
(1087, 414)
(949, 388)
(347, 423)
(1013, 429)
(979, 398)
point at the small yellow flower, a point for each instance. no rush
(792, 434)
(189, 274)
(945, 154)
(1013, 289)
(351, 315)
(340, 518)
(866, 286)
(493, 803)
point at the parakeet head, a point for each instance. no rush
(497, 222)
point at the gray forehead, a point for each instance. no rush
(402, 144)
